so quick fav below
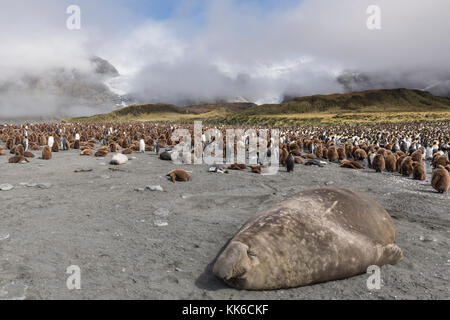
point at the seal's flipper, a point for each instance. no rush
(392, 254)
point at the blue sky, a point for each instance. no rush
(165, 9)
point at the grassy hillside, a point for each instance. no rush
(396, 105)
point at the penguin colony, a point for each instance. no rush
(405, 149)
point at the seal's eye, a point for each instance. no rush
(251, 254)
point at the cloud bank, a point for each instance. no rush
(226, 50)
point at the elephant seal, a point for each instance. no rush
(315, 236)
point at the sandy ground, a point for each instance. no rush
(97, 220)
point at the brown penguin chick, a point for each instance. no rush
(28, 154)
(46, 153)
(379, 163)
(398, 164)
(256, 169)
(135, 147)
(417, 156)
(9, 143)
(351, 164)
(294, 149)
(42, 140)
(447, 167)
(237, 166)
(101, 153)
(124, 144)
(406, 167)
(18, 159)
(400, 153)
(349, 151)
(440, 179)
(283, 156)
(86, 152)
(360, 154)
(324, 153)
(113, 147)
(179, 175)
(319, 151)
(298, 160)
(341, 152)
(127, 151)
(18, 150)
(439, 160)
(391, 163)
(308, 156)
(382, 151)
(55, 147)
(35, 147)
(419, 172)
(332, 154)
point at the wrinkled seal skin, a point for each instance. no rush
(314, 236)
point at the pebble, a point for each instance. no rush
(4, 236)
(44, 185)
(139, 189)
(160, 223)
(329, 183)
(155, 188)
(6, 187)
(426, 239)
(162, 212)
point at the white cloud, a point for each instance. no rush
(236, 50)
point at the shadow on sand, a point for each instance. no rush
(207, 280)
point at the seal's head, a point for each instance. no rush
(234, 262)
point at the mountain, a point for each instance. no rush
(366, 106)
(399, 100)
(59, 91)
(435, 82)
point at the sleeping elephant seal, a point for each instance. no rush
(314, 236)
